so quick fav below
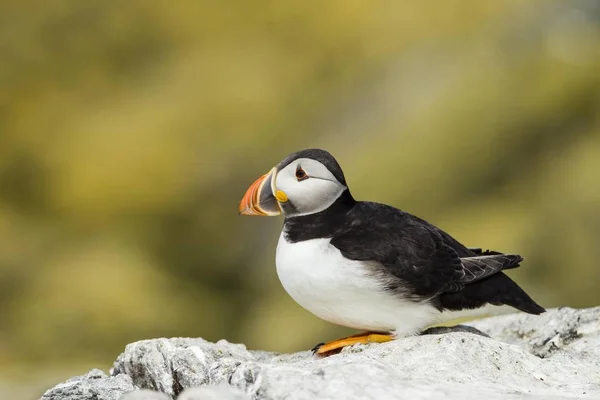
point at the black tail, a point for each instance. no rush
(497, 289)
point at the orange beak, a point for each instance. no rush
(260, 198)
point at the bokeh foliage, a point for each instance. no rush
(130, 130)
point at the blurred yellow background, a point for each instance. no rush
(130, 130)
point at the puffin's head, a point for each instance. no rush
(305, 182)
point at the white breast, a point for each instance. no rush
(345, 292)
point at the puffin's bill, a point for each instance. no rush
(259, 198)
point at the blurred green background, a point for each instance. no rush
(130, 130)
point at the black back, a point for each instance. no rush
(413, 255)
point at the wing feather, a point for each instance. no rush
(480, 267)
(416, 256)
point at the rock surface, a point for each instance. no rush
(93, 385)
(552, 356)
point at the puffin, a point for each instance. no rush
(370, 266)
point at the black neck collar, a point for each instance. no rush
(320, 225)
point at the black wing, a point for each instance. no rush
(424, 260)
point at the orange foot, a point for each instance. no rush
(328, 349)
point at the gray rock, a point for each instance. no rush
(93, 385)
(171, 365)
(553, 356)
(437, 330)
(144, 394)
(563, 332)
(213, 392)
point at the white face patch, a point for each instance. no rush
(310, 195)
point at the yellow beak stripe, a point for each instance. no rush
(281, 196)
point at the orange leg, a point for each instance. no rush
(328, 349)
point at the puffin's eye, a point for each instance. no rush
(300, 174)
